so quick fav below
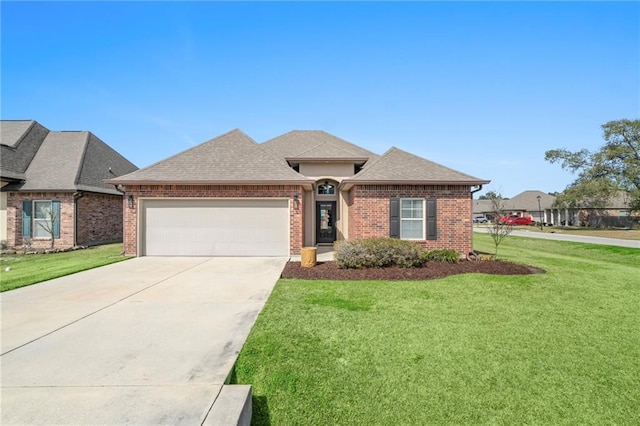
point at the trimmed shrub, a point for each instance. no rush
(443, 255)
(378, 253)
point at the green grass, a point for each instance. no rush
(34, 268)
(557, 348)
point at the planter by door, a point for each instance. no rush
(325, 221)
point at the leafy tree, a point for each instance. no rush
(491, 195)
(613, 168)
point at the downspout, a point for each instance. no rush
(472, 254)
(118, 188)
(76, 197)
(471, 193)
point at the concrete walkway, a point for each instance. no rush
(146, 341)
(568, 237)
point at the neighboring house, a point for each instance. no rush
(524, 204)
(55, 181)
(534, 204)
(231, 196)
(483, 208)
(615, 212)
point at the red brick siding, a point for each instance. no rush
(99, 219)
(369, 212)
(213, 191)
(14, 219)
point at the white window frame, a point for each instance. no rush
(423, 219)
(34, 221)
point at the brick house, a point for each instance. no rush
(231, 196)
(53, 183)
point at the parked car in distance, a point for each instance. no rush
(480, 219)
(516, 220)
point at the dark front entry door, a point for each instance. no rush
(325, 221)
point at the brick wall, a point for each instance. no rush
(99, 219)
(369, 212)
(14, 218)
(212, 191)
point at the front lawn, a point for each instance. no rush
(34, 268)
(557, 348)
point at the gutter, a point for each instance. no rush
(347, 184)
(307, 184)
(476, 190)
(76, 197)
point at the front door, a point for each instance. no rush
(325, 221)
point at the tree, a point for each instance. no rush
(497, 229)
(49, 225)
(491, 195)
(613, 168)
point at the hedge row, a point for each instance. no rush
(383, 252)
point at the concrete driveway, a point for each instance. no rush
(146, 341)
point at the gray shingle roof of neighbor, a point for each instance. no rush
(230, 158)
(398, 166)
(20, 140)
(315, 144)
(528, 201)
(482, 206)
(622, 200)
(73, 161)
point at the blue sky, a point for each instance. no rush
(482, 87)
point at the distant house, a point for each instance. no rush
(54, 181)
(615, 212)
(231, 196)
(526, 204)
(483, 208)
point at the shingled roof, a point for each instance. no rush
(228, 159)
(19, 142)
(312, 145)
(64, 161)
(397, 166)
(528, 201)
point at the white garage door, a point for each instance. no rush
(187, 227)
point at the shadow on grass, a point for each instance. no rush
(259, 405)
(260, 415)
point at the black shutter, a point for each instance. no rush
(432, 232)
(394, 218)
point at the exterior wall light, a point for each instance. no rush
(130, 201)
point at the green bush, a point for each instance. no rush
(443, 255)
(378, 253)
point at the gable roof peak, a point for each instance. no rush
(232, 157)
(397, 166)
(306, 144)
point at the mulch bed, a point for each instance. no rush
(432, 270)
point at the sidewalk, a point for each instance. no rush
(572, 238)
